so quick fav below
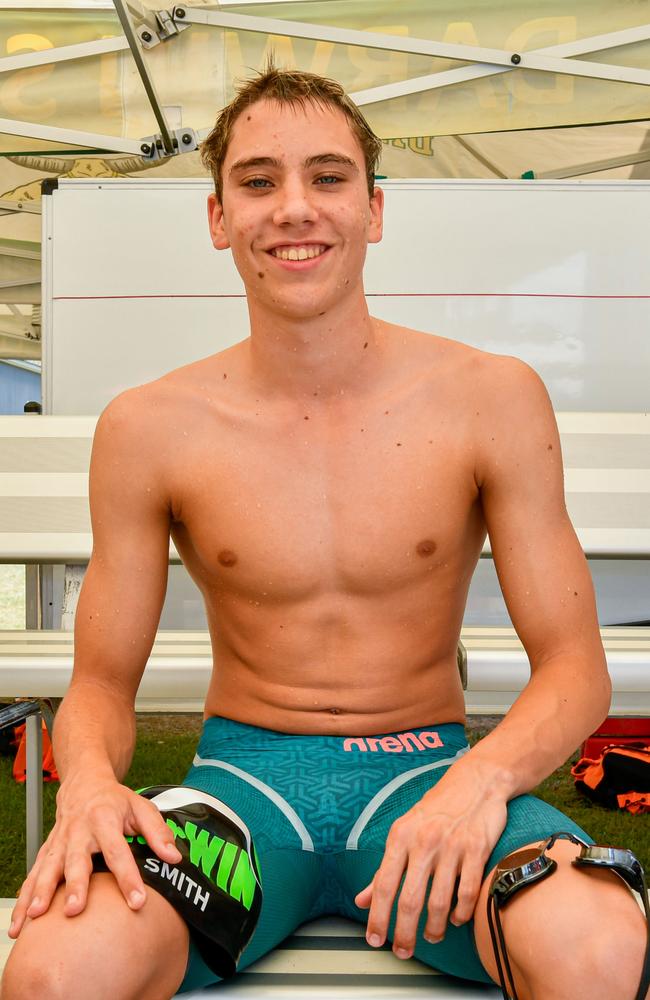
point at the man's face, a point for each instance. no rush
(310, 192)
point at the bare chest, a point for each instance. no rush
(294, 504)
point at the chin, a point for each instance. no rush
(299, 309)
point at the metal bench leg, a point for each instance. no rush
(34, 786)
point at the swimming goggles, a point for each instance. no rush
(530, 864)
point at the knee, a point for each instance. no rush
(596, 956)
(28, 975)
(612, 955)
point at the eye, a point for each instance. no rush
(253, 183)
(329, 177)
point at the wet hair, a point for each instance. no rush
(287, 87)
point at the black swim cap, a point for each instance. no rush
(216, 887)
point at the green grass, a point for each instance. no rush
(166, 745)
(12, 597)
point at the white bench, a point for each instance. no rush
(39, 665)
(44, 518)
(44, 515)
(327, 959)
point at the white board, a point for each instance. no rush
(554, 272)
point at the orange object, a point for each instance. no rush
(20, 763)
(619, 730)
(618, 778)
(635, 802)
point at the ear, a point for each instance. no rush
(220, 240)
(376, 227)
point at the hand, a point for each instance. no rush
(451, 831)
(92, 816)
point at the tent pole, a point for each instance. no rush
(145, 76)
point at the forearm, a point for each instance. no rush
(564, 701)
(94, 731)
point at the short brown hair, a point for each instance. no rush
(287, 86)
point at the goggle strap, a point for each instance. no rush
(493, 907)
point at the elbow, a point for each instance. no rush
(602, 692)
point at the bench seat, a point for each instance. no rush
(327, 959)
(38, 664)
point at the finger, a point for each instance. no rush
(121, 863)
(148, 821)
(439, 902)
(78, 869)
(47, 875)
(410, 904)
(363, 898)
(471, 880)
(24, 899)
(385, 886)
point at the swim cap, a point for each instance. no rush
(216, 886)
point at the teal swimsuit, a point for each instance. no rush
(319, 809)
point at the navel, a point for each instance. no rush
(426, 547)
(227, 558)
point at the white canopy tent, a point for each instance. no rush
(116, 87)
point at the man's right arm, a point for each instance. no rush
(115, 625)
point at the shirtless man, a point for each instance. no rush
(329, 483)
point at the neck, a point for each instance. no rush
(329, 356)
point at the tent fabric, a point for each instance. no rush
(197, 69)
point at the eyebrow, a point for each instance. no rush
(271, 161)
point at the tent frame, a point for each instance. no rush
(161, 26)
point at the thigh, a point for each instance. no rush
(289, 872)
(124, 953)
(456, 954)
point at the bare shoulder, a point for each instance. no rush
(510, 391)
(152, 408)
(134, 438)
(146, 429)
(512, 420)
(474, 370)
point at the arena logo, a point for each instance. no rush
(394, 744)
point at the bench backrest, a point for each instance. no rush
(44, 460)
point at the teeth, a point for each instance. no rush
(298, 253)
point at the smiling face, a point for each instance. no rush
(296, 211)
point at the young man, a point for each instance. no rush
(329, 483)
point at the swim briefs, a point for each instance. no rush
(319, 809)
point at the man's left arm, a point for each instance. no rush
(549, 593)
(546, 584)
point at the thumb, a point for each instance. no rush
(362, 899)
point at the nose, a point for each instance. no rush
(295, 203)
